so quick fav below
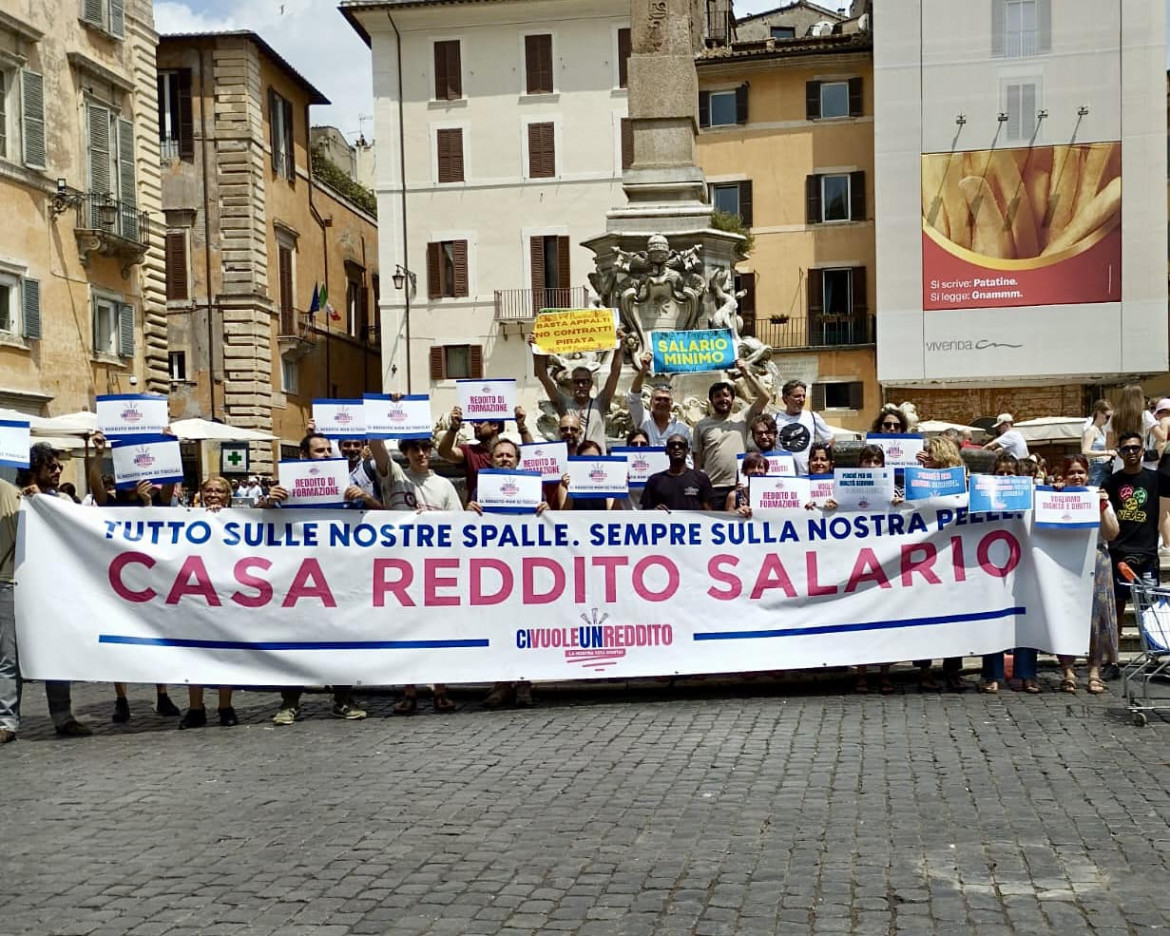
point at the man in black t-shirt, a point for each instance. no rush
(679, 487)
(1133, 492)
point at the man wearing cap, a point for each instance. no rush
(1008, 439)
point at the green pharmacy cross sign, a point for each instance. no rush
(234, 458)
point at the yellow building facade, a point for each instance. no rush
(786, 142)
(82, 306)
(251, 236)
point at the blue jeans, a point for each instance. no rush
(57, 692)
(1024, 667)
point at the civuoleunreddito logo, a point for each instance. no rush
(596, 644)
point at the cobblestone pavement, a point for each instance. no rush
(749, 809)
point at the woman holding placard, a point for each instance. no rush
(754, 465)
(566, 501)
(1103, 620)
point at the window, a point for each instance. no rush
(9, 304)
(113, 327)
(290, 377)
(280, 130)
(176, 266)
(449, 149)
(107, 15)
(20, 305)
(456, 362)
(836, 197)
(448, 71)
(734, 198)
(110, 155)
(783, 32)
(538, 64)
(840, 394)
(176, 124)
(838, 307)
(447, 269)
(623, 57)
(284, 257)
(542, 152)
(1020, 103)
(833, 99)
(549, 261)
(1021, 28)
(178, 363)
(356, 301)
(746, 283)
(723, 108)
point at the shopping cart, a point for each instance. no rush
(1152, 666)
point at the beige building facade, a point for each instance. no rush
(82, 302)
(251, 237)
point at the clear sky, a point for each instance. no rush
(314, 37)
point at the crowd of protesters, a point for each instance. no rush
(704, 473)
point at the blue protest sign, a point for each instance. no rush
(924, 483)
(692, 352)
(999, 493)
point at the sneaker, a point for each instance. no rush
(1111, 671)
(348, 711)
(195, 718)
(286, 716)
(121, 711)
(227, 717)
(164, 706)
(7, 735)
(74, 729)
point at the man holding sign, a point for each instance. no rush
(590, 409)
(719, 439)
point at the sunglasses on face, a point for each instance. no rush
(891, 425)
(639, 445)
(676, 445)
(1129, 449)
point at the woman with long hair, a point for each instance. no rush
(1095, 443)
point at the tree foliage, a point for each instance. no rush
(733, 224)
(327, 171)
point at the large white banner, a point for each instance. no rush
(320, 597)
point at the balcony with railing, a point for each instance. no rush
(110, 228)
(522, 305)
(829, 330)
(296, 335)
(1019, 43)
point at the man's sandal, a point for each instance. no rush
(442, 703)
(1068, 685)
(1096, 686)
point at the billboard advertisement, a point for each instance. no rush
(1021, 227)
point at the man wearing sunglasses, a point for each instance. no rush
(42, 477)
(679, 487)
(1133, 492)
(590, 409)
(417, 487)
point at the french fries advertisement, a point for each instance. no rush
(1018, 227)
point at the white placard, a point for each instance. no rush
(486, 399)
(340, 419)
(14, 443)
(901, 449)
(598, 476)
(820, 488)
(500, 491)
(779, 463)
(408, 417)
(146, 458)
(1072, 507)
(641, 462)
(314, 482)
(863, 488)
(126, 414)
(549, 458)
(778, 492)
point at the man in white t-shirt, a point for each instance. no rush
(796, 427)
(1007, 439)
(417, 488)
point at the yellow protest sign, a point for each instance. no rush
(565, 331)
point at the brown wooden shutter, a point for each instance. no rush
(542, 157)
(290, 136)
(856, 395)
(624, 48)
(745, 203)
(363, 311)
(563, 263)
(857, 196)
(627, 132)
(441, 83)
(817, 392)
(538, 64)
(448, 71)
(704, 109)
(176, 265)
(434, 271)
(438, 362)
(812, 100)
(186, 117)
(747, 303)
(459, 255)
(286, 280)
(475, 361)
(812, 196)
(856, 106)
(273, 104)
(858, 293)
(741, 104)
(450, 151)
(536, 264)
(816, 292)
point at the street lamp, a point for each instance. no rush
(400, 275)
